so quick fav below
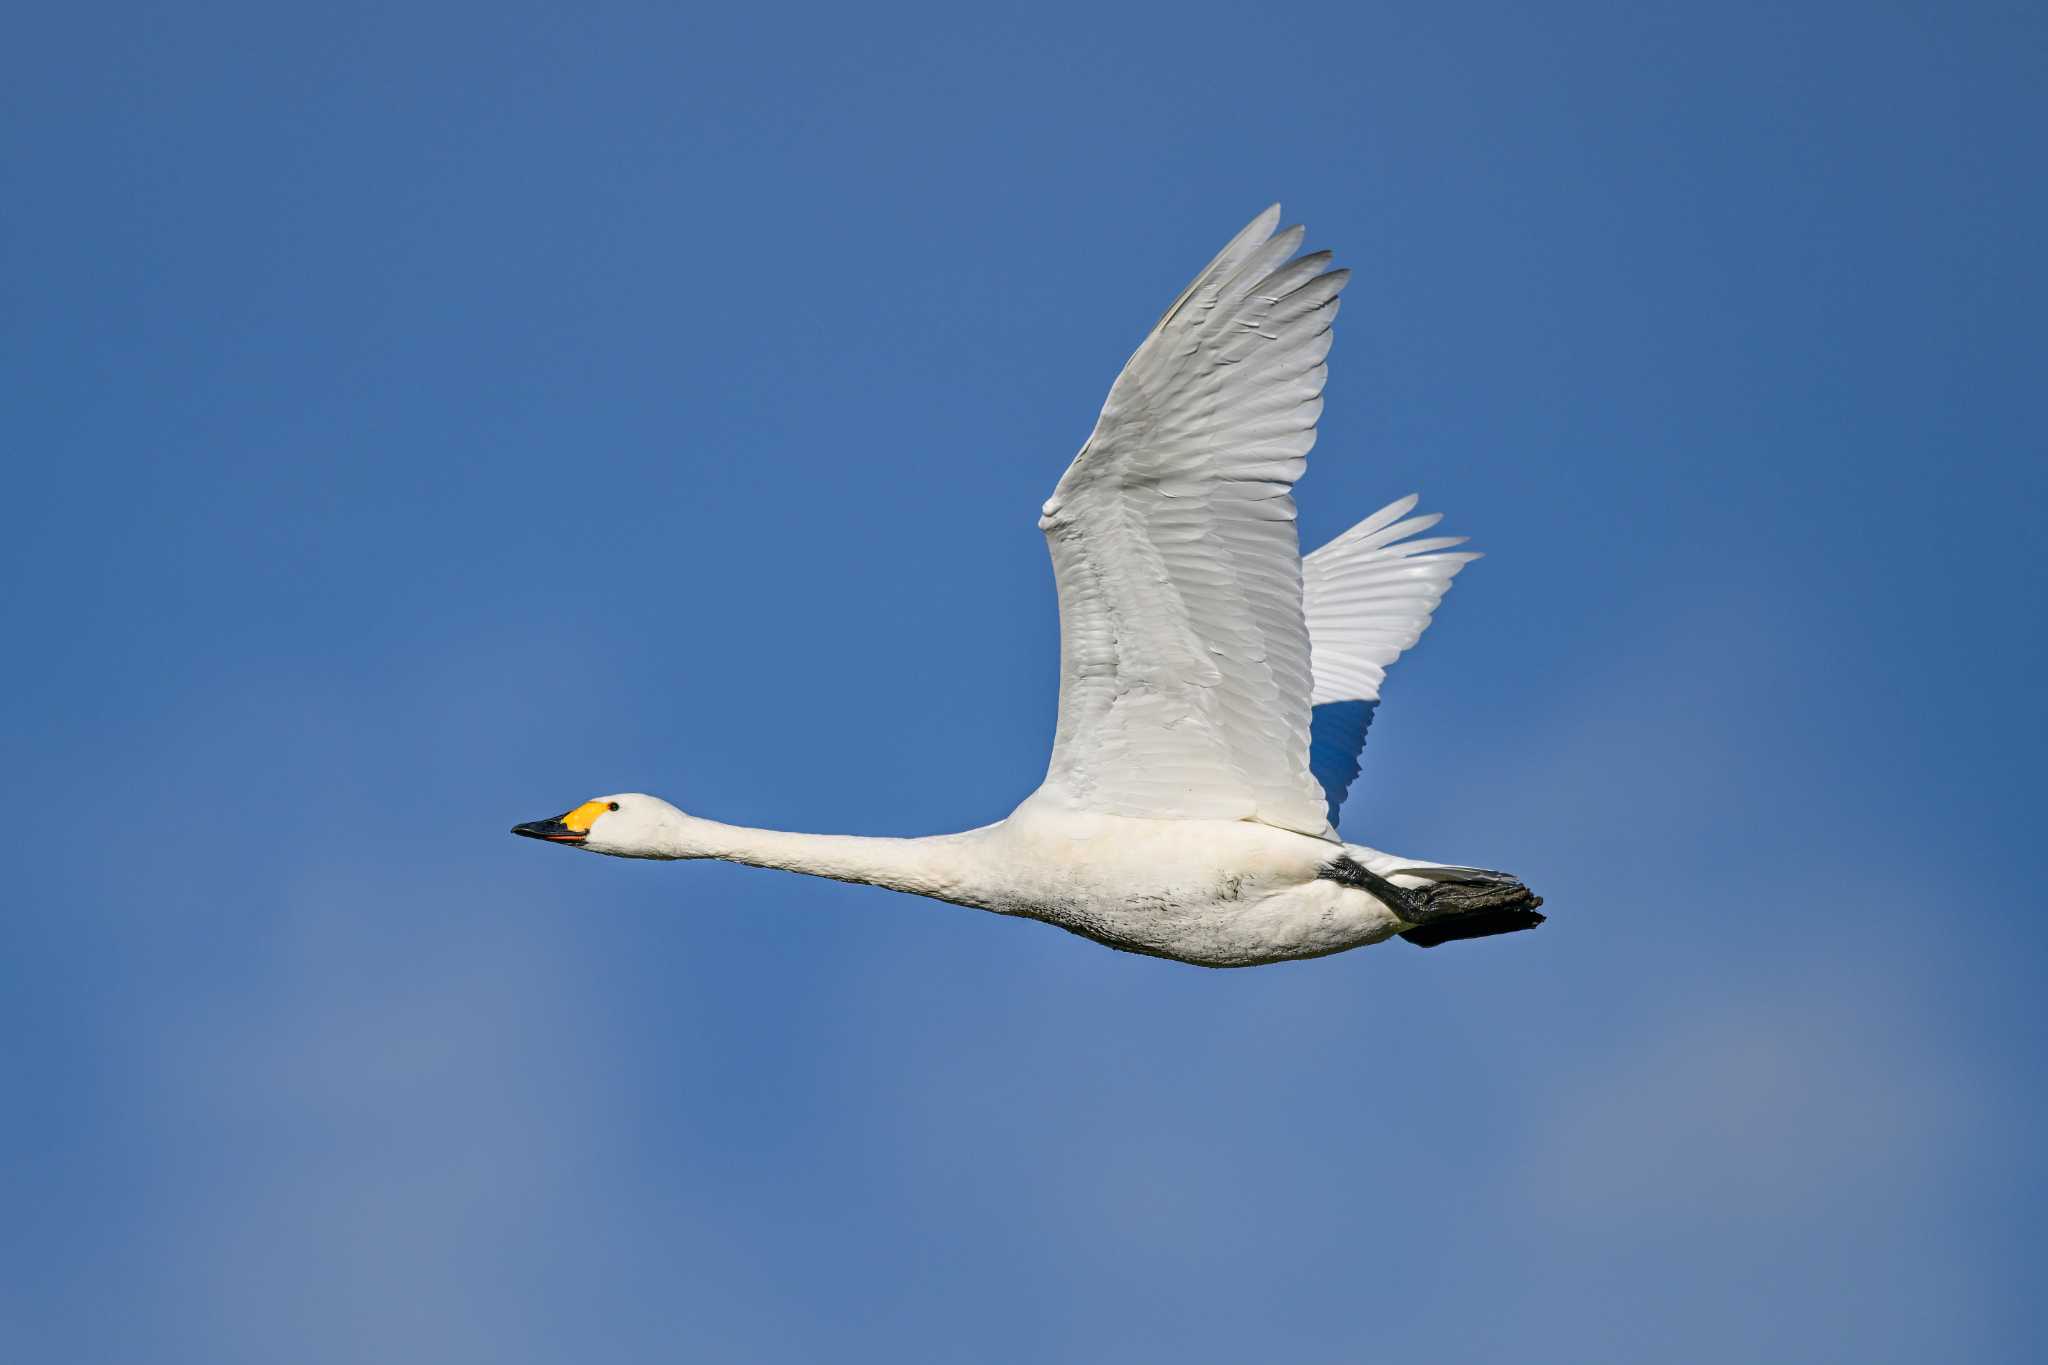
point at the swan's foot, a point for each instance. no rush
(1454, 903)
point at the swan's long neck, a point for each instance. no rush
(922, 867)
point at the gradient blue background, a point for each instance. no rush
(422, 418)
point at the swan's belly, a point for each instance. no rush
(1217, 893)
(1312, 920)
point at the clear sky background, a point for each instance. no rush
(420, 418)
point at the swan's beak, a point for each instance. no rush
(570, 827)
(554, 831)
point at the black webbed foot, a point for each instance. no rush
(1454, 903)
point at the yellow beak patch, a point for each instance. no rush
(585, 815)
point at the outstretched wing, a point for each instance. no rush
(1368, 595)
(1184, 656)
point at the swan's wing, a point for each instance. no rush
(1368, 596)
(1184, 658)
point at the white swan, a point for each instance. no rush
(1215, 687)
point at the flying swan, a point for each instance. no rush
(1215, 686)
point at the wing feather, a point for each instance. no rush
(1367, 597)
(1185, 674)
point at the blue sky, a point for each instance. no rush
(421, 418)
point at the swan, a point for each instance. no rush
(1215, 685)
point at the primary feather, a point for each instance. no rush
(1367, 595)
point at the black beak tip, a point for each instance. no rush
(553, 831)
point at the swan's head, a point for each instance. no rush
(628, 825)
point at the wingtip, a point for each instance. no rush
(1388, 515)
(1415, 526)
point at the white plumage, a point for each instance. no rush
(1368, 596)
(1215, 687)
(1184, 657)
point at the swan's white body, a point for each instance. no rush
(1221, 893)
(1215, 687)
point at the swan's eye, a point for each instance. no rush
(615, 805)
